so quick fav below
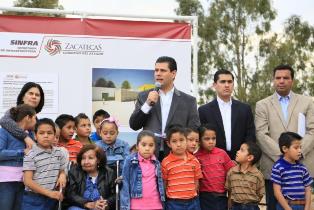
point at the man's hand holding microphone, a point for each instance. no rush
(153, 95)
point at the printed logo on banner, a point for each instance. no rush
(19, 45)
(53, 46)
(75, 47)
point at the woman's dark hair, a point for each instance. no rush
(100, 154)
(19, 112)
(144, 133)
(25, 88)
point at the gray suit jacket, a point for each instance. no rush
(270, 123)
(183, 111)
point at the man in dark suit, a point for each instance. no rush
(158, 109)
(233, 119)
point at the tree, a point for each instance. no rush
(294, 47)
(111, 84)
(226, 39)
(126, 85)
(101, 82)
(47, 4)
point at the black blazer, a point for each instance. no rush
(242, 124)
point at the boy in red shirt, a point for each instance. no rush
(66, 124)
(215, 164)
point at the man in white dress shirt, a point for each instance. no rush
(159, 109)
(233, 119)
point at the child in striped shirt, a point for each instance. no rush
(43, 168)
(245, 183)
(181, 172)
(291, 179)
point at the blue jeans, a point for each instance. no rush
(11, 194)
(294, 207)
(176, 204)
(245, 207)
(210, 201)
(75, 208)
(271, 201)
(34, 201)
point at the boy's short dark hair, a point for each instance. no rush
(79, 117)
(174, 129)
(205, 127)
(287, 138)
(254, 150)
(222, 71)
(100, 112)
(190, 130)
(64, 119)
(45, 121)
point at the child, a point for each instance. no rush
(12, 151)
(64, 150)
(66, 124)
(245, 183)
(133, 149)
(181, 173)
(192, 137)
(43, 170)
(215, 164)
(291, 180)
(115, 149)
(151, 193)
(83, 129)
(98, 117)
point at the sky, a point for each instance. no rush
(284, 8)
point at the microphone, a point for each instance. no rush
(157, 88)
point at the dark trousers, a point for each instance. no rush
(178, 204)
(11, 194)
(161, 154)
(245, 207)
(210, 201)
(294, 207)
(271, 201)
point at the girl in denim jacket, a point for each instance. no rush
(115, 148)
(11, 158)
(143, 186)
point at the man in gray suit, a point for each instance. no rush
(157, 109)
(278, 113)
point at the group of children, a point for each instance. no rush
(195, 175)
